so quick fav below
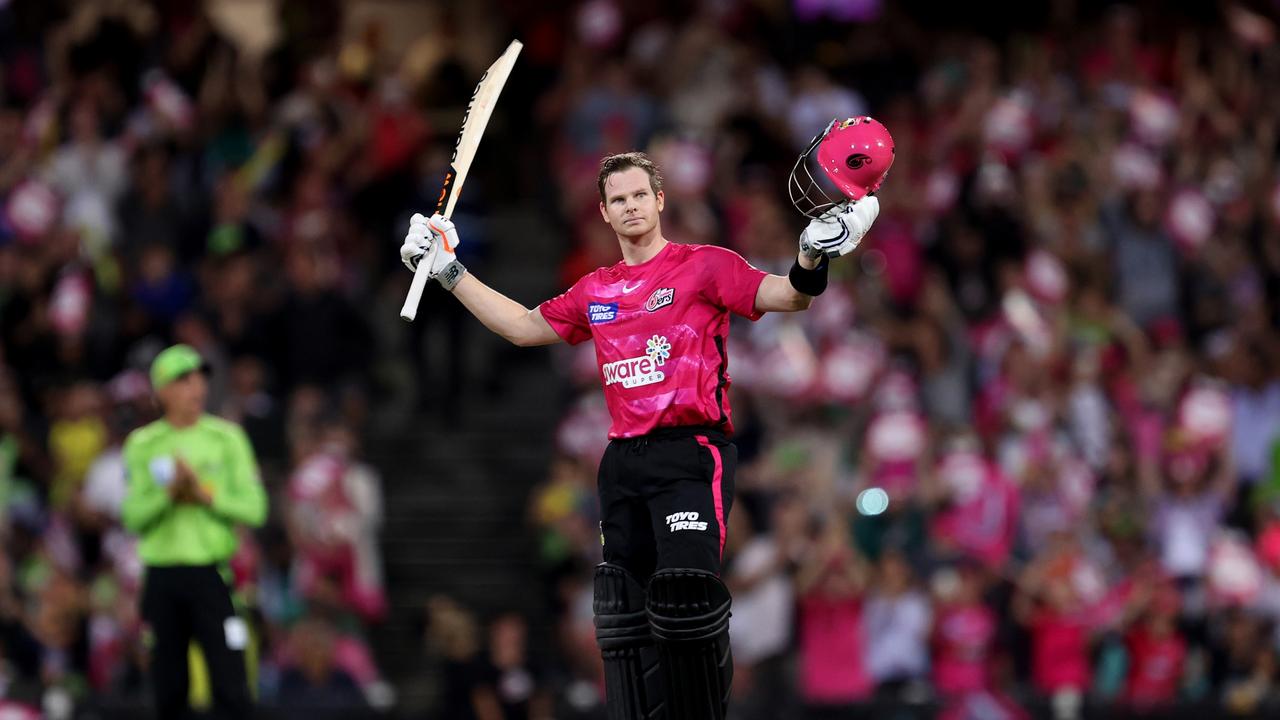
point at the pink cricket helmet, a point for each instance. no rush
(855, 155)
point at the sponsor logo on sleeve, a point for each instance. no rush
(163, 470)
(660, 298)
(602, 313)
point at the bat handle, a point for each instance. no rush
(410, 309)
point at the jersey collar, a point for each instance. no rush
(630, 270)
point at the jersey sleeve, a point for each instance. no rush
(566, 313)
(242, 499)
(730, 281)
(145, 500)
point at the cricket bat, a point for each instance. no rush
(473, 124)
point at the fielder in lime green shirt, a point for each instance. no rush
(192, 480)
(190, 483)
(198, 531)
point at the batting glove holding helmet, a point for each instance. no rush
(839, 230)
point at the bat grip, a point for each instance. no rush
(410, 309)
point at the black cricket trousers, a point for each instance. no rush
(665, 499)
(187, 602)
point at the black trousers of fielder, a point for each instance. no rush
(188, 602)
(662, 613)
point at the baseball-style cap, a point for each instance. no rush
(174, 362)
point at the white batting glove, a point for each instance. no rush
(839, 230)
(417, 243)
(433, 240)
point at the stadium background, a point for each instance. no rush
(1055, 352)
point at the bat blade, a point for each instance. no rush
(483, 100)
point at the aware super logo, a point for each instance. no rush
(642, 370)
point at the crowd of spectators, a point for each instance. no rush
(157, 185)
(1054, 355)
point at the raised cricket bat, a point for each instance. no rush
(473, 124)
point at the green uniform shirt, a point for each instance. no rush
(184, 533)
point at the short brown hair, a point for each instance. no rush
(625, 161)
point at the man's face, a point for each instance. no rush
(630, 206)
(186, 395)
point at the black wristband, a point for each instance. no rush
(809, 282)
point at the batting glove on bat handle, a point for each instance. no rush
(433, 239)
(418, 243)
(445, 234)
(445, 268)
(840, 230)
(428, 251)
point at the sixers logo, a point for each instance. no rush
(660, 298)
(857, 160)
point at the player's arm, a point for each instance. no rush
(434, 240)
(504, 316)
(145, 501)
(242, 498)
(836, 233)
(777, 294)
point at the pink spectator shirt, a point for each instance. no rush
(1059, 651)
(984, 525)
(962, 643)
(1155, 669)
(660, 330)
(831, 667)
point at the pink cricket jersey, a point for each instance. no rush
(660, 330)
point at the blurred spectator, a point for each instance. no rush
(830, 584)
(1188, 506)
(1145, 264)
(319, 336)
(1049, 605)
(335, 512)
(509, 686)
(896, 622)
(91, 172)
(761, 625)
(1255, 411)
(1157, 653)
(452, 636)
(76, 436)
(314, 685)
(963, 633)
(979, 517)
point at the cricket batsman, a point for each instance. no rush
(660, 320)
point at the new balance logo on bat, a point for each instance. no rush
(685, 521)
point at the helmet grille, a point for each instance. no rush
(807, 194)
